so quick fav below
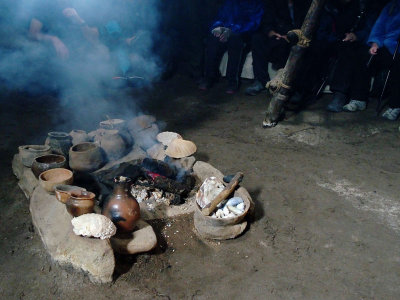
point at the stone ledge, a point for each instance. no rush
(53, 223)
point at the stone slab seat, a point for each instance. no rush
(53, 223)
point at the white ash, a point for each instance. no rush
(210, 188)
(149, 194)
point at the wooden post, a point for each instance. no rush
(280, 87)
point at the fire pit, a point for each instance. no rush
(164, 186)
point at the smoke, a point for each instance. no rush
(81, 45)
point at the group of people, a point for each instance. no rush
(89, 38)
(354, 40)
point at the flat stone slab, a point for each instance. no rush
(143, 239)
(27, 180)
(53, 223)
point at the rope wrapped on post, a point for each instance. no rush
(276, 84)
(302, 40)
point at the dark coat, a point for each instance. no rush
(240, 15)
(277, 15)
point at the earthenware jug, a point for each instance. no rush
(59, 142)
(79, 136)
(85, 157)
(112, 144)
(121, 207)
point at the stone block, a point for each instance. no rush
(53, 223)
(143, 239)
(203, 170)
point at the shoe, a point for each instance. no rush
(355, 105)
(337, 102)
(391, 114)
(204, 84)
(256, 88)
(232, 88)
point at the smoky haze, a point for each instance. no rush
(96, 35)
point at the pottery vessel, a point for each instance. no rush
(112, 144)
(47, 162)
(85, 157)
(59, 142)
(63, 191)
(121, 207)
(211, 221)
(80, 202)
(50, 178)
(28, 153)
(79, 136)
(113, 124)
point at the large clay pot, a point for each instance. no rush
(47, 162)
(28, 153)
(59, 142)
(79, 136)
(50, 178)
(121, 207)
(112, 143)
(80, 202)
(85, 157)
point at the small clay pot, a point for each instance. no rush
(80, 202)
(79, 136)
(113, 124)
(112, 144)
(47, 162)
(85, 157)
(59, 142)
(50, 178)
(63, 191)
(29, 152)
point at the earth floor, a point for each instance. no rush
(326, 188)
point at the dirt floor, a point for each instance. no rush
(326, 188)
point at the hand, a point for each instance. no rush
(61, 50)
(374, 49)
(350, 37)
(277, 36)
(224, 36)
(217, 31)
(72, 14)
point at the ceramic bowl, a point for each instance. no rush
(29, 152)
(47, 162)
(50, 178)
(63, 191)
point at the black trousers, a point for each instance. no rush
(347, 70)
(214, 51)
(359, 75)
(264, 50)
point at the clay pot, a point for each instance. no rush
(113, 124)
(79, 136)
(28, 153)
(216, 222)
(112, 143)
(50, 178)
(85, 157)
(59, 142)
(63, 191)
(80, 202)
(121, 207)
(47, 162)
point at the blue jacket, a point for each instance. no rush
(386, 30)
(240, 15)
